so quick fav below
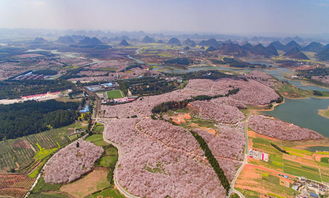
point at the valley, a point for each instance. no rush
(139, 119)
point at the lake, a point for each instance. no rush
(304, 113)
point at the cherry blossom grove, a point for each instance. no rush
(250, 92)
(279, 129)
(71, 162)
(158, 159)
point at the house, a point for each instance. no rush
(258, 155)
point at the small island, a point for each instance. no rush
(324, 112)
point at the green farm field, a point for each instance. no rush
(113, 94)
(298, 162)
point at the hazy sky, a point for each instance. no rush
(216, 16)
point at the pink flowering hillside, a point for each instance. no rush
(143, 106)
(262, 77)
(227, 146)
(229, 101)
(159, 160)
(251, 93)
(282, 130)
(221, 113)
(71, 162)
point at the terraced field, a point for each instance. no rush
(19, 153)
(298, 162)
(22, 159)
(287, 158)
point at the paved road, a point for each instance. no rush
(239, 193)
(34, 184)
(245, 161)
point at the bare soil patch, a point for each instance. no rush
(255, 135)
(181, 118)
(92, 182)
(250, 178)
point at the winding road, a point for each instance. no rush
(116, 183)
(245, 161)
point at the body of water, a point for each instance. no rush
(277, 72)
(280, 72)
(318, 148)
(304, 113)
(176, 70)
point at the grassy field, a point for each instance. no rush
(325, 159)
(36, 170)
(298, 169)
(45, 190)
(110, 156)
(99, 128)
(273, 183)
(248, 193)
(108, 161)
(234, 195)
(113, 94)
(44, 153)
(275, 159)
(42, 186)
(290, 91)
(97, 139)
